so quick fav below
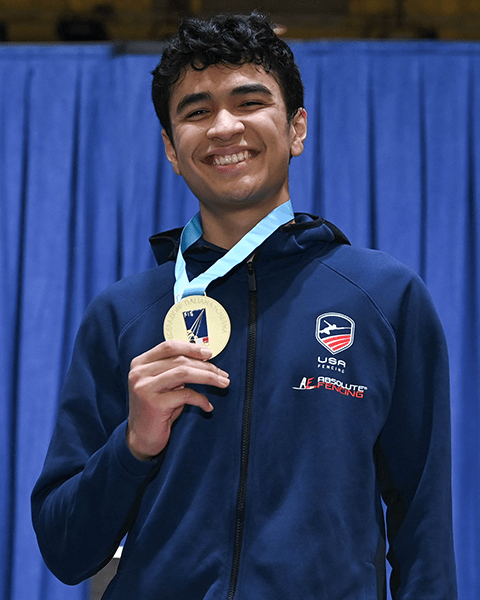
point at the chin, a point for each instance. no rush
(235, 202)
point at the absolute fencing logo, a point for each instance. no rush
(333, 385)
(335, 331)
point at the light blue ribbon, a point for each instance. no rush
(193, 231)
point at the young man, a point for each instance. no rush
(241, 410)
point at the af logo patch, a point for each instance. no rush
(335, 331)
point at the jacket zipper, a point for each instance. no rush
(246, 425)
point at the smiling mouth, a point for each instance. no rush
(229, 159)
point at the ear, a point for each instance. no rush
(299, 132)
(170, 152)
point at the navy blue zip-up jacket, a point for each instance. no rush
(339, 397)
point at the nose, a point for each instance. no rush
(225, 125)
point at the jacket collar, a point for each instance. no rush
(287, 239)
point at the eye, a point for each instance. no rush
(196, 114)
(252, 103)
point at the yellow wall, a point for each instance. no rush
(76, 5)
(428, 7)
(450, 19)
(35, 20)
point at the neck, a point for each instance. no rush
(225, 229)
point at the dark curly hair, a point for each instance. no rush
(226, 40)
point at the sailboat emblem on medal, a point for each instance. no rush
(196, 324)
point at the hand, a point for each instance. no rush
(157, 392)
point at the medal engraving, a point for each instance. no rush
(198, 320)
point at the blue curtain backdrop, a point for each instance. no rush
(392, 158)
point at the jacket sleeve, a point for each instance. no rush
(413, 455)
(88, 493)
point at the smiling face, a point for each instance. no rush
(231, 139)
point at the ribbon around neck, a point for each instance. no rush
(250, 241)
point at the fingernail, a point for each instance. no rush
(206, 352)
(224, 381)
(210, 405)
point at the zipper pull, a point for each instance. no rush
(252, 281)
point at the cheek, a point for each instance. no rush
(283, 153)
(182, 163)
(186, 157)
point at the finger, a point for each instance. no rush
(172, 380)
(152, 369)
(172, 348)
(187, 374)
(186, 395)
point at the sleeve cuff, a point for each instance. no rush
(132, 465)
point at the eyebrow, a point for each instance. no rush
(192, 99)
(241, 90)
(251, 88)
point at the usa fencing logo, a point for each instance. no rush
(335, 331)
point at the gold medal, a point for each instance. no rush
(198, 320)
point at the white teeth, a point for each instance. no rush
(231, 159)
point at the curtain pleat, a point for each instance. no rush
(391, 158)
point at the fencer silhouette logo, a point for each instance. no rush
(335, 331)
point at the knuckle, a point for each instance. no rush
(186, 394)
(189, 396)
(137, 388)
(134, 363)
(182, 371)
(132, 377)
(137, 383)
(180, 361)
(169, 347)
